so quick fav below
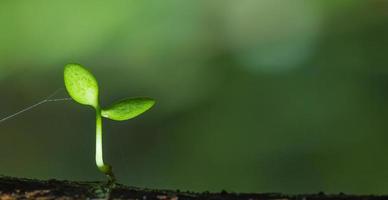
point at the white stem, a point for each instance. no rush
(99, 153)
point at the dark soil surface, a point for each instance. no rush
(17, 188)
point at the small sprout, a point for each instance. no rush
(82, 86)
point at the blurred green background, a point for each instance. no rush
(253, 95)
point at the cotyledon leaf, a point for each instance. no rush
(81, 85)
(128, 108)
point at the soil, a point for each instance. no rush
(20, 188)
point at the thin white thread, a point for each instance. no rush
(62, 99)
(47, 99)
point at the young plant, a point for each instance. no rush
(83, 88)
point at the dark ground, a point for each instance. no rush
(20, 188)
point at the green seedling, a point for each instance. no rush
(83, 88)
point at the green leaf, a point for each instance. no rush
(81, 85)
(128, 108)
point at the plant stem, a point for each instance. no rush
(106, 169)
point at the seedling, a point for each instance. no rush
(83, 88)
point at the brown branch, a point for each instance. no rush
(17, 188)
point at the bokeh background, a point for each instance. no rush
(253, 95)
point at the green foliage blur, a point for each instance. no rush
(253, 95)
